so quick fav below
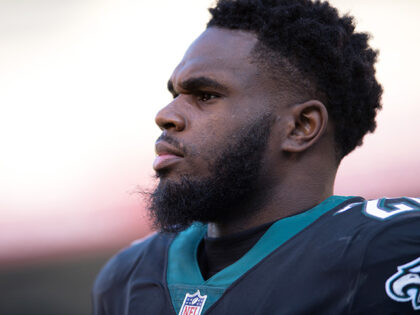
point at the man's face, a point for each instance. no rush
(215, 132)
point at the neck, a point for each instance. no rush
(275, 202)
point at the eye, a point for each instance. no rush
(205, 97)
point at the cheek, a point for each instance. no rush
(213, 128)
(207, 143)
(206, 134)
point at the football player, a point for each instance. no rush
(266, 103)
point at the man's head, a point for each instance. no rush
(272, 94)
(330, 61)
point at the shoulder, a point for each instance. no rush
(357, 225)
(384, 227)
(144, 258)
(394, 237)
(378, 216)
(118, 269)
(390, 229)
(397, 221)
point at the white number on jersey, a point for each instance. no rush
(385, 208)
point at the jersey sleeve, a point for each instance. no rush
(389, 279)
(110, 284)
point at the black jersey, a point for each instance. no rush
(344, 256)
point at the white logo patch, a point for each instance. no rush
(404, 286)
(193, 304)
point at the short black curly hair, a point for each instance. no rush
(321, 46)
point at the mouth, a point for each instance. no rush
(166, 155)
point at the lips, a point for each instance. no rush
(167, 155)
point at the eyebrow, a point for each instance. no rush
(194, 84)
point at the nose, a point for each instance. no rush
(168, 118)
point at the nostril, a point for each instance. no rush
(168, 125)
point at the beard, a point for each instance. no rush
(222, 195)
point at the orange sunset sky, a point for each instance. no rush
(81, 82)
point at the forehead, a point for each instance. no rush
(218, 52)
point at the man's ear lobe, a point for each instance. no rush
(306, 124)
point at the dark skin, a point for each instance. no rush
(218, 90)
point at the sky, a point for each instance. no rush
(81, 83)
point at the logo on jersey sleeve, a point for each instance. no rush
(193, 304)
(404, 286)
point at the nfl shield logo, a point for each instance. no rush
(193, 304)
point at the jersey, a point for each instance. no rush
(347, 255)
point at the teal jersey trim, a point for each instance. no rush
(183, 273)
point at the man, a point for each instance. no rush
(267, 101)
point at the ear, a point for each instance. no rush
(305, 125)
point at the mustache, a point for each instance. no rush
(172, 141)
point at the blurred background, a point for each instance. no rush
(80, 84)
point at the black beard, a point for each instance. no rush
(174, 206)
